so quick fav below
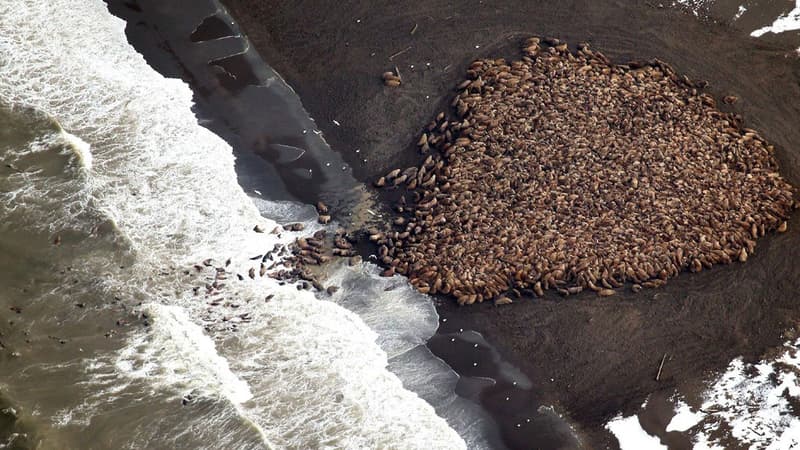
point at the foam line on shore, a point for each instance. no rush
(170, 187)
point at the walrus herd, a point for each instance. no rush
(564, 171)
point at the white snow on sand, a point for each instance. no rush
(787, 22)
(739, 13)
(695, 5)
(750, 404)
(630, 434)
(684, 418)
(753, 400)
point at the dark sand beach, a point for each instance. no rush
(589, 357)
(120, 207)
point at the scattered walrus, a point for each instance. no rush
(392, 79)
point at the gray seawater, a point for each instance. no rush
(111, 195)
(76, 331)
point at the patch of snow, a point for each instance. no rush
(702, 443)
(684, 418)
(697, 6)
(753, 401)
(787, 22)
(739, 13)
(630, 434)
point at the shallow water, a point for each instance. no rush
(107, 159)
(116, 334)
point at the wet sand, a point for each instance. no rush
(589, 357)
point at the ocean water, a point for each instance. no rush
(121, 221)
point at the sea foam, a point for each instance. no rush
(308, 373)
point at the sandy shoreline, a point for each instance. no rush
(575, 350)
(357, 368)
